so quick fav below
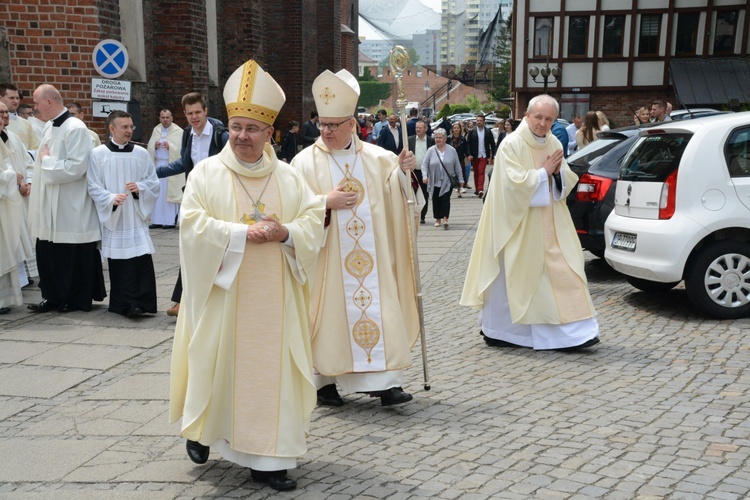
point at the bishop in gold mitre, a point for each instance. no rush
(241, 378)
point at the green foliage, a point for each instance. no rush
(501, 77)
(473, 104)
(503, 112)
(489, 107)
(444, 111)
(460, 108)
(367, 77)
(371, 92)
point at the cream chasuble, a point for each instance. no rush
(524, 236)
(242, 366)
(363, 303)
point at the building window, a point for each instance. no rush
(687, 33)
(543, 36)
(578, 34)
(726, 25)
(614, 27)
(648, 43)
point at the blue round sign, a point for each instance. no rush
(110, 58)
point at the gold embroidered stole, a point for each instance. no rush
(568, 289)
(259, 330)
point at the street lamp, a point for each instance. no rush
(426, 89)
(545, 72)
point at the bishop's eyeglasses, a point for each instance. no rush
(333, 127)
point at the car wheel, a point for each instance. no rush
(650, 286)
(718, 281)
(597, 253)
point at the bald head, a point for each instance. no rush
(48, 101)
(4, 115)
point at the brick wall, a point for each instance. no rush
(52, 43)
(294, 40)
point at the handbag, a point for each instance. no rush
(454, 178)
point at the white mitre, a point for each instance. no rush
(251, 93)
(336, 94)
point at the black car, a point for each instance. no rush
(598, 167)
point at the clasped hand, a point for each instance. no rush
(267, 230)
(553, 162)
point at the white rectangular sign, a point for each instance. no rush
(114, 90)
(103, 109)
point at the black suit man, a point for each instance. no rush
(211, 136)
(419, 144)
(390, 136)
(481, 151)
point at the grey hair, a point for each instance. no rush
(543, 99)
(440, 131)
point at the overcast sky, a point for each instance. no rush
(369, 33)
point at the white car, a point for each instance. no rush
(682, 212)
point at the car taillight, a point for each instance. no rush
(592, 188)
(668, 196)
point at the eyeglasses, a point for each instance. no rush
(4, 112)
(251, 130)
(333, 127)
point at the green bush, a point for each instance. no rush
(370, 93)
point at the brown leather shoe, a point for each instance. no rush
(174, 310)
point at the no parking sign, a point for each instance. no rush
(110, 58)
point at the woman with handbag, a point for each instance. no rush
(441, 171)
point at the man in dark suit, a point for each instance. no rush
(481, 151)
(310, 132)
(205, 137)
(419, 144)
(390, 136)
(412, 122)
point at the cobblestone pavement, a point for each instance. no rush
(658, 410)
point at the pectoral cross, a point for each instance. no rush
(258, 212)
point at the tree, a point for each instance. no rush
(501, 76)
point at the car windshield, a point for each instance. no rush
(609, 163)
(654, 157)
(589, 154)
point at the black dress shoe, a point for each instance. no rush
(329, 396)
(393, 396)
(275, 479)
(66, 308)
(133, 312)
(4, 310)
(168, 227)
(496, 342)
(155, 226)
(588, 343)
(43, 307)
(197, 452)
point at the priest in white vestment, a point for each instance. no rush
(250, 233)
(15, 245)
(11, 97)
(526, 272)
(17, 156)
(62, 214)
(363, 304)
(123, 184)
(164, 147)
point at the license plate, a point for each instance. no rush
(624, 241)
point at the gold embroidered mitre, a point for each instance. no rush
(335, 94)
(247, 88)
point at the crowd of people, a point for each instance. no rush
(296, 267)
